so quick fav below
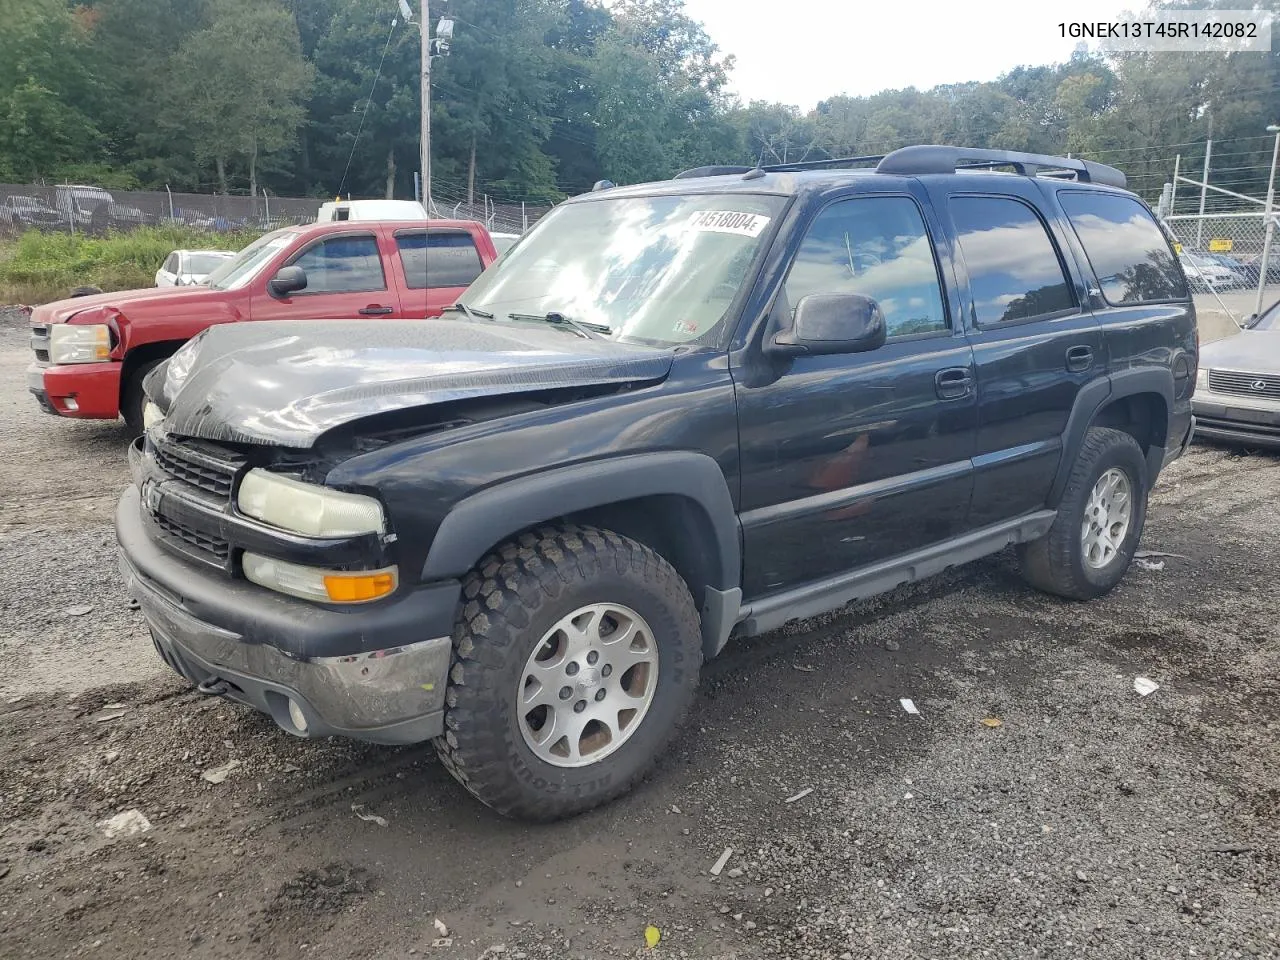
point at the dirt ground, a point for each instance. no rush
(1089, 822)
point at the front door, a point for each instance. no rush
(1034, 344)
(345, 280)
(851, 459)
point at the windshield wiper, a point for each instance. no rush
(592, 331)
(471, 313)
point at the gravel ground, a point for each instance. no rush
(1089, 821)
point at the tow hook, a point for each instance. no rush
(213, 687)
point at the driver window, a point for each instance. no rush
(876, 247)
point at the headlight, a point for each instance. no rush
(151, 415)
(79, 342)
(308, 508)
(1202, 379)
(325, 586)
(179, 365)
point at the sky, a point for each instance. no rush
(803, 51)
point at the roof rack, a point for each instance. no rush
(724, 171)
(924, 159)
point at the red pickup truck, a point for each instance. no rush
(93, 352)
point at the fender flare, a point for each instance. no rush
(478, 522)
(1092, 397)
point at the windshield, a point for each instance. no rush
(1269, 319)
(199, 263)
(245, 265)
(655, 269)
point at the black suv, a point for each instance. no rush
(671, 413)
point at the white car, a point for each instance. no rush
(1204, 274)
(187, 267)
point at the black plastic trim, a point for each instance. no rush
(483, 520)
(821, 596)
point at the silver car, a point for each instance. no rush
(1237, 396)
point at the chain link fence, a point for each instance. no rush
(1227, 242)
(89, 209)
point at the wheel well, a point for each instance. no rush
(674, 527)
(1144, 416)
(143, 354)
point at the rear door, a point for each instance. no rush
(1035, 342)
(435, 266)
(346, 279)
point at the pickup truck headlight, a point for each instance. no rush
(79, 342)
(308, 508)
(312, 583)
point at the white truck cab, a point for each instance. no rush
(371, 210)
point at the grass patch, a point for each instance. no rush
(38, 267)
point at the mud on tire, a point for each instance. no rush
(1056, 562)
(511, 600)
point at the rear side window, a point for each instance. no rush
(1014, 270)
(439, 259)
(1126, 249)
(343, 265)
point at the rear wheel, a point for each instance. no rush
(576, 657)
(133, 399)
(1104, 506)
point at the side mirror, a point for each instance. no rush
(831, 323)
(288, 280)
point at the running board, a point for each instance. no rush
(821, 596)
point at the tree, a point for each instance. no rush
(46, 95)
(238, 85)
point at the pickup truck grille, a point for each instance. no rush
(1245, 384)
(200, 546)
(203, 466)
(40, 342)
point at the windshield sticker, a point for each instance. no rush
(729, 221)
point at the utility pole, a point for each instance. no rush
(1204, 186)
(1269, 219)
(424, 37)
(1173, 196)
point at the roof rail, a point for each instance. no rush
(725, 171)
(924, 159)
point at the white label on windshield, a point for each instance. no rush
(729, 221)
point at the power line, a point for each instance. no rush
(377, 73)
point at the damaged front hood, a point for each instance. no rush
(288, 382)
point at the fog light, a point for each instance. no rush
(71, 404)
(298, 718)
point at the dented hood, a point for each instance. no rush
(288, 382)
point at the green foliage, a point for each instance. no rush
(45, 266)
(536, 99)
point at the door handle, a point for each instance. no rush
(373, 310)
(953, 383)
(1079, 358)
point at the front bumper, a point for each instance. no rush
(84, 390)
(1244, 421)
(263, 649)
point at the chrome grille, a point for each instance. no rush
(205, 467)
(40, 342)
(1245, 384)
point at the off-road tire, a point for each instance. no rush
(513, 596)
(1055, 562)
(132, 398)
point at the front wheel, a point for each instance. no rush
(576, 657)
(1100, 518)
